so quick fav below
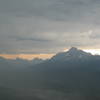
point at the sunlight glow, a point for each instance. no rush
(43, 56)
(93, 51)
(26, 56)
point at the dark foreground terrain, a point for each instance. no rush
(47, 94)
(72, 75)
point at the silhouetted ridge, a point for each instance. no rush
(73, 49)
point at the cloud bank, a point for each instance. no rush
(47, 26)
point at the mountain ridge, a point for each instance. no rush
(72, 53)
(74, 75)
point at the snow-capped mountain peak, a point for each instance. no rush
(72, 53)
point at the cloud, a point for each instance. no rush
(31, 39)
(95, 34)
(48, 26)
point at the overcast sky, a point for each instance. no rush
(48, 26)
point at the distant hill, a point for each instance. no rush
(18, 63)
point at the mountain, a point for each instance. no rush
(74, 70)
(73, 53)
(72, 75)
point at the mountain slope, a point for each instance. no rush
(72, 75)
(72, 69)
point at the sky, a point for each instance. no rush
(35, 27)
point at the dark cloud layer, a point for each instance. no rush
(47, 26)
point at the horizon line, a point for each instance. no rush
(45, 55)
